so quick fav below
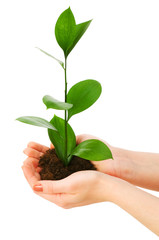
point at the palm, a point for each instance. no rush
(80, 188)
(118, 167)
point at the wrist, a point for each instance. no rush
(120, 153)
(109, 186)
(116, 190)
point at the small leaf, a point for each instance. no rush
(80, 30)
(64, 29)
(82, 95)
(60, 62)
(67, 32)
(36, 121)
(51, 102)
(93, 150)
(58, 138)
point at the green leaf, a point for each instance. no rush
(93, 150)
(80, 30)
(36, 121)
(64, 29)
(51, 102)
(60, 62)
(67, 32)
(82, 95)
(58, 138)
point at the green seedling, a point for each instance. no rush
(80, 97)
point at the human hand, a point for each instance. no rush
(140, 169)
(80, 188)
(87, 187)
(120, 167)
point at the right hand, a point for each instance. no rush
(120, 166)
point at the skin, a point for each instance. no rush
(128, 170)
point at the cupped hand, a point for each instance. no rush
(78, 189)
(121, 166)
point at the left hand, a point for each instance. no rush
(80, 188)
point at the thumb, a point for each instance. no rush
(52, 187)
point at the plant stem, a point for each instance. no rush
(66, 112)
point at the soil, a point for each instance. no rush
(54, 169)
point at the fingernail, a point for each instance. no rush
(38, 188)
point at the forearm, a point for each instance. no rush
(141, 205)
(145, 167)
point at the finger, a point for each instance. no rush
(32, 163)
(38, 147)
(30, 152)
(53, 187)
(32, 160)
(31, 176)
(29, 163)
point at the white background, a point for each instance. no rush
(121, 50)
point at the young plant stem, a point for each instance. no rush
(66, 112)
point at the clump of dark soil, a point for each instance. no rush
(54, 169)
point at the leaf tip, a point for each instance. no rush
(69, 8)
(43, 99)
(90, 20)
(18, 119)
